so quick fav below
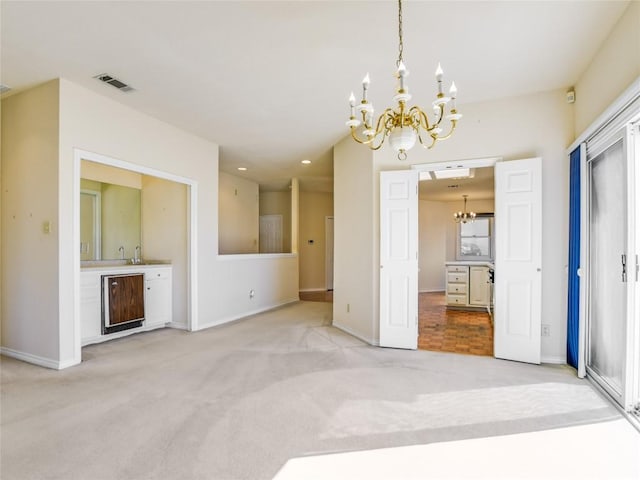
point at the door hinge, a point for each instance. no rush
(637, 267)
(623, 257)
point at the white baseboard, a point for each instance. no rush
(438, 290)
(370, 341)
(242, 315)
(177, 326)
(312, 290)
(553, 359)
(37, 360)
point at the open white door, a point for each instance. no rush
(399, 259)
(518, 286)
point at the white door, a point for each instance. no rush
(518, 265)
(399, 259)
(328, 229)
(270, 233)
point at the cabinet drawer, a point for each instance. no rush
(157, 274)
(456, 299)
(457, 288)
(457, 277)
(457, 269)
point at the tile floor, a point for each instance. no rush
(455, 331)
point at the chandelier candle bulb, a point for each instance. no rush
(365, 86)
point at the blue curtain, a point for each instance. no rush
(573, 303)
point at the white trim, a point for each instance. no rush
(192, 253)
(37, 360)
(97, 219)
(177, 326)
(370, 341)
(243, 315)
(313, 290)
(437, 290)
(555, 359)
(583, 271)
(468, 163)
(625, 98)
(254, 256)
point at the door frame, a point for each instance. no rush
(192, 236)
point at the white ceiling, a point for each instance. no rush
(269, 81)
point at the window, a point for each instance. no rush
(475, 241)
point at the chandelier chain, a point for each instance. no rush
(400, 44)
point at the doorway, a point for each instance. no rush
(455, 294)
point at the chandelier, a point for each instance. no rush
(402, 125)
(464, 217)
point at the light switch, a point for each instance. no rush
(46, 227)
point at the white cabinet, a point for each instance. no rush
(457, 285)
(157, 296)
(90, 306)
(157, 300)
(479, 286)
(468, 286)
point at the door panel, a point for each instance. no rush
(399, 259)
(518, 287)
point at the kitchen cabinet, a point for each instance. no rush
(479, 286)
(151, 282)
(468, 285)
(158, 296)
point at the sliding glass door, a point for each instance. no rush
(608, 267)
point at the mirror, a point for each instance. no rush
(109, 220)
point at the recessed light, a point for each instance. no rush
(242, 169)
(306, 162)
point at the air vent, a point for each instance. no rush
(114, 82)
(4, 89)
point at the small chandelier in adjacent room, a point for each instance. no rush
(403, 125)
(464, 217)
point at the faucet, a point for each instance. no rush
(121, 250)
(136, 255)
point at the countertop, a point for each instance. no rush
(122, 264)
(471, 263)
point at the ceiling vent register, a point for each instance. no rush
(114, 82)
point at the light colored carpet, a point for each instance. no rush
(240, 400)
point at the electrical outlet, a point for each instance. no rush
(546, 330)
(252, 293)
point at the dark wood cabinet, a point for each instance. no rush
(124, 300)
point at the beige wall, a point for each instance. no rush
(432, 245)
(314, 208)
(355, 287)
(611, 71)
(41, 129)
(29, 257)
(165, 217)
(238, 215)
(278, 203)
(514, 128)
